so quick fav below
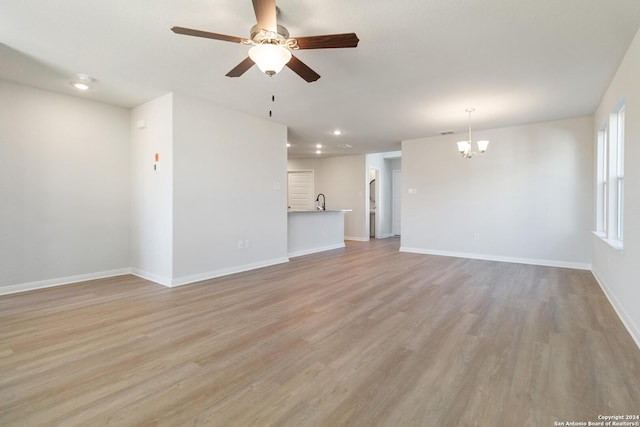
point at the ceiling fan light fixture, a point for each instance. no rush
(270, 58)
(271, 44)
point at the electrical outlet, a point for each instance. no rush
(240, 244)
(476, 236)
(247, 243)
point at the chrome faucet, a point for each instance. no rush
(323, 202)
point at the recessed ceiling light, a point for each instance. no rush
(288, 144)
(83, 81)
(337, 132)
(318, 145)
(318, 152)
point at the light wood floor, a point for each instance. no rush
(364, 336)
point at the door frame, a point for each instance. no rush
(396, 197)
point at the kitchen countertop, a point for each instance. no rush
(317, 211)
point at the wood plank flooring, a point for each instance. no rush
(361, 336)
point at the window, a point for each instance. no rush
(610, 180)
(620, 175)
(601, 172)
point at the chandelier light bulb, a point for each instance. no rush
(464, 146)
(482, 145)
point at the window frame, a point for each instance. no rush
(610, 179)
(620, 117)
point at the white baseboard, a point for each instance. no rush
(357, 239)
(161, 280)
(385, 236)
(531, 261)
(619, 309)
(225, 272)
(315, 250)
(61, 281)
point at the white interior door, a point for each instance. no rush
(397, 192)
(300, 190)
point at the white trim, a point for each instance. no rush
(619, 309)
(396, 201)
(531, 261)
(616, 244)
(385, 236)
(61, 281)
(225, 272)
(357, 239)
(315, 250)
(392, 155)
(152, 277)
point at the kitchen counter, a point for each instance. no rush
(311, 231)
(290, 211)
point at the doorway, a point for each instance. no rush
(374, 196)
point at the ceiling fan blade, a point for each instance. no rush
(266, 14)
(302, 69)
(206, 34)
(241, 68)
(328, 41)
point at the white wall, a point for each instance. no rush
(344, 182)
(617, 271)
(64, 188)
(152, 190)
(81, 198)
(528, 199)
(304, 164)
(395, 164)
(230, 184)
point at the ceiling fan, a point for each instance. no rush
(272, 46)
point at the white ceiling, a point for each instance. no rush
(419, 64)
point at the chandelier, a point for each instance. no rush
(464, 147)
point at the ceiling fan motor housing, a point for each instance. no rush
(261, 36)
